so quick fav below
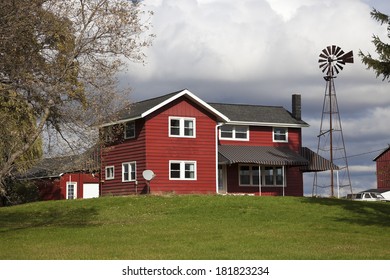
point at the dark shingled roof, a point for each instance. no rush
(235, 112)
(257, 113)
(88, 162)
(138, 108)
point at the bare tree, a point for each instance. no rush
(61, 59)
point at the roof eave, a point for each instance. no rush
(294, 125)
(120, 121)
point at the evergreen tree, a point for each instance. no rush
(381, 65)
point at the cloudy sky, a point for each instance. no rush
(261, 52)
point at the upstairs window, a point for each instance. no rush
(182, 127)
(129, 130)
(280, 134)
(234, 132)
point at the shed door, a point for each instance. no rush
(90, 190)
(71, 190)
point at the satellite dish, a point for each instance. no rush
(148, 175)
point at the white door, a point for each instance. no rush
(71, 190)
(90, 190)
(222, 184)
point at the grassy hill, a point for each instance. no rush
(196, 227)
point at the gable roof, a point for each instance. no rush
(87, 162)
(144, 108)
(227, 113)
(258, 115)
(382, 153)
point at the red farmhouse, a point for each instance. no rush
(198, 147)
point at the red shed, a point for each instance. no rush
(68, 177)
(383, 169)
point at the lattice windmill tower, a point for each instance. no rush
(331, 143)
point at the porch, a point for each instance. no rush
(262, 170)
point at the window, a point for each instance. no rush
(249, 175)
(280, 134)
(71, 190)
(109, 172)
(234, 132)
(128, 171)
(270, 175)
(108, 134)
(181, 127)
(182, 170)
(130, 130)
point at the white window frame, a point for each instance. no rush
(125, 130)
(132, 165)
(182, 121)
(74, 184)
(110, 174)
(274, 134)
(262, 175)
(182, 170)
(234, 132)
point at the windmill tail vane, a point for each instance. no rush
(332, 59)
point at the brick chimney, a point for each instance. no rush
(296, 106)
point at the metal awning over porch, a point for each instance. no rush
(261, 155)
(308, 160)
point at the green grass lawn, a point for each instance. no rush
(196, 227)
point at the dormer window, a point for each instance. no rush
(234, 132)
(280, 134)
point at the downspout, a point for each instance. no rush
(284, 177)
(259, 180)
(216, 156)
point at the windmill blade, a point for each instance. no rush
(325, 52)
(334, 49)
(329, 48)
(322, 61)
(325, 69)
(335, 68)
(331, 71)
(339, 66)
(341, 62)
(338, 52)
(323, 64)
(347, 58)
(324, 56)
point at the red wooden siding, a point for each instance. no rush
(262, 136)
(152, 148)
(125, 150)
(161, 149)
(55, 188)
(383, 170)
(80, 179)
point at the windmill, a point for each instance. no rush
(331, 140)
